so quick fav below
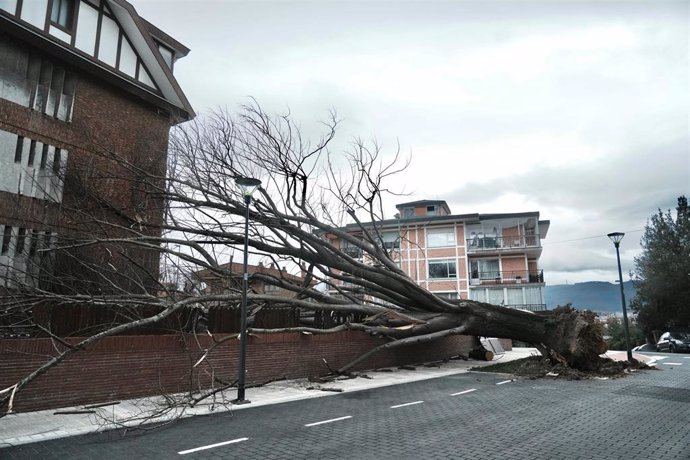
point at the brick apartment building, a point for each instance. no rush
(490, 258)
(80, 81)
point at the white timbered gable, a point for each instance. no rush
(110, 34)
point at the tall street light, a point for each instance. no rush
(616, 237)
(248, 185)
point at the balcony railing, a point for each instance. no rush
(529, 307)
(491, 243)
(506, 277)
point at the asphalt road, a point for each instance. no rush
(473, 415)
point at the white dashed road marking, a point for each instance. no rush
(505, 381)
(673, 364)
(463, 392)
(407, 404)
(329, 421)
(211, 446)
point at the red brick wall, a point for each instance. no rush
(135, 366)
(105, 120)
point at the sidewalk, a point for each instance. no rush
(29, 427)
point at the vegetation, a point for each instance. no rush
(663, 272)
(616, 333)
(296, 222)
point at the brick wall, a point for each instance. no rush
(135, 366)
(105, 120)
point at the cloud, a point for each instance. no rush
(578, 110)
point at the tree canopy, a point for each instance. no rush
(663, 271)
(296, 220)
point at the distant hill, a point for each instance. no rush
(592, 295)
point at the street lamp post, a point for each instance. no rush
(248, 186)
(616, 237)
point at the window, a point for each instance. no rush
(168, 55)
(495, 297)
(533, 296)
(21, 240)
(18, 151)
(56, 161)
(408, 212)
(34, 243)
(478, 294)
(6, 237)
(270, 288)
(431, 210)
(352, 250)
(485, 269)
(442, 268)
(32, 153)
(440, 237)
(62, 13)
(8, 5)
(447, 295)
(44, 156)
(514, 296)
(391, 240)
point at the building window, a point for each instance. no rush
(56, 161)
(33, 247)
(391, 240)
(21, 241)
(168, 55)
(62, 13)
(440, 237)
(447, 295)
(44, 156)
(431, 210)
(6, 238)
(52, 88)
(408, 212)
(32, 153)
(442, 269)
(271, 288)
(514, 296)
(18, 150)
(352, 250)
(485, 269)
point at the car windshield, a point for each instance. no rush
(681, 335)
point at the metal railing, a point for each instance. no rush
(506, 277)
(488, 243)
(529, 307)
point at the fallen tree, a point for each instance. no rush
(307, 196)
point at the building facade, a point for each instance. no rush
(86, 86)
(490, 258)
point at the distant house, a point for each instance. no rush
(262, 280)
(214, 282)
(490, 258)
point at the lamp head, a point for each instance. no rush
(248, 185)
(616, 237)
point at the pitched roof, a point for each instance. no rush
(163, 91)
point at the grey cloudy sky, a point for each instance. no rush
(578, 110)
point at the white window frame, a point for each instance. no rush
(390, 239)
(441, 231)
(448, 263)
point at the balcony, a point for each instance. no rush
(494, 243)
(508, 277)
(529, 307)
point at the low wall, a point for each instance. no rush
(135, 366)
